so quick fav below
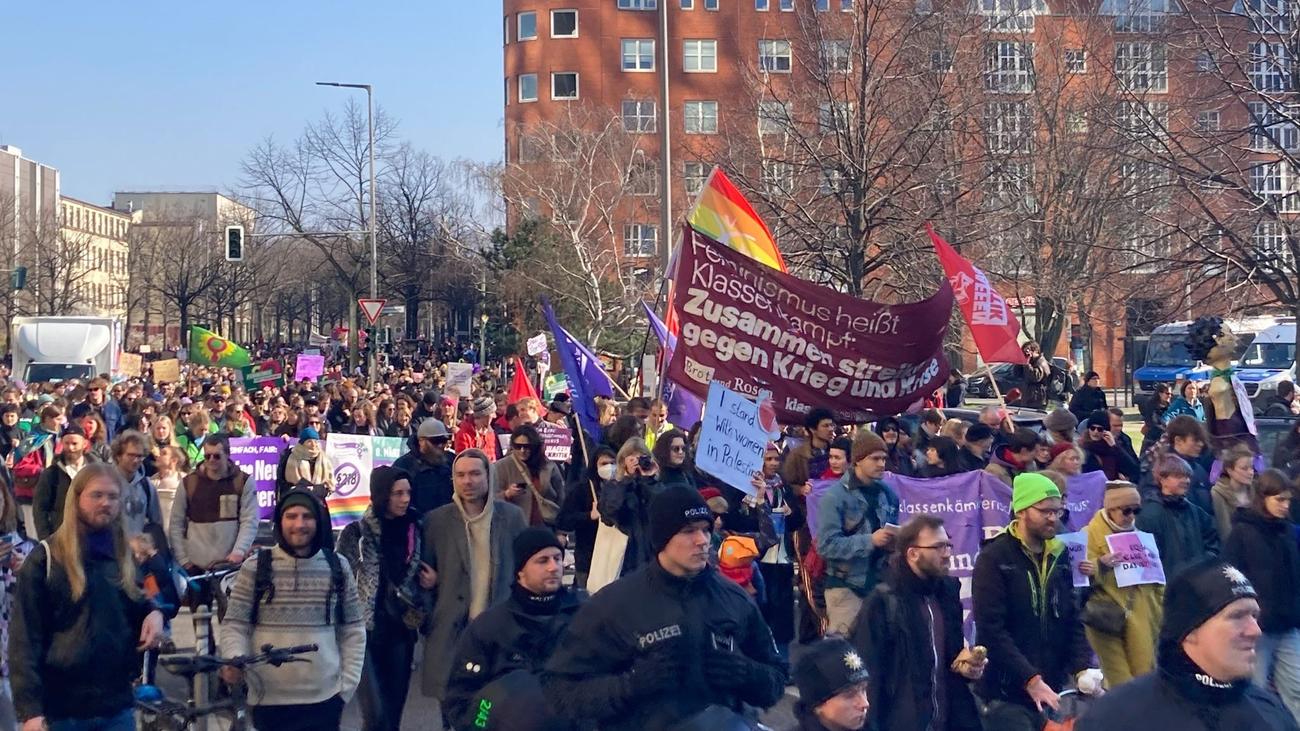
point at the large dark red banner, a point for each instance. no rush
(752, 327)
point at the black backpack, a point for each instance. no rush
(264, 587)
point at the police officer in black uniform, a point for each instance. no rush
(493, 683)
(672, 645)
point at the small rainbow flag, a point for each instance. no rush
(723, 214)
(209, 348)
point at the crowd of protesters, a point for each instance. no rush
(693, 603)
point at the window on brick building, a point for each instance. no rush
(1076, 123)
(1143, 119)
(775, 56)
(527, 26)
(564, 23)
(787, 5)
(778, 177)
(638, 54)
(774, 117)
(1207, 120)
(642, 176)
(694, 174)
(1141, 67)
(1270, 16)
(638, 5)
(564, 85)
(1010, 67)
(832, 181)
(640, 240)
(505, 31)
(1137, 16)
(1205, 63)
(762, 4)
(1275, 182)
(1008, 127)
(710, 4)
(941, 60)
(701, 117)
(639, 115)
(688, 4)
(1273, 128)
(1270, 66)
(528, 87)
(1008, 16)
(834, 116)
(700, 56)
(836, 56)
(1076, 61)
(1270, 240)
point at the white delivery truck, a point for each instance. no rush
(59, 348)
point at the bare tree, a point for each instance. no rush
(320, 184)
(581, 177)
(62, 260)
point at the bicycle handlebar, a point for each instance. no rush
(185, 664)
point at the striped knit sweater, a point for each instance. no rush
(296, 616)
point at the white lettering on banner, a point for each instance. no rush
(989, 306)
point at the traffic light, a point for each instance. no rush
(234, 243)
(18, 278)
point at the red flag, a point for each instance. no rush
(991, 322)
(522, 386)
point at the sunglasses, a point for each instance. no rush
(888, 429)
(677, 449)
(521, 446)
(1096, 427)
(1136, 510)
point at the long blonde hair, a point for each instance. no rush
(635, 445)
(65, 543)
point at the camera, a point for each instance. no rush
(646, 463)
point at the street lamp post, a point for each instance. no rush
(482, 339)
(374, 249)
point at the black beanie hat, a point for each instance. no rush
(826, 668)
(1197, 593)
(532, 540)
(672, 509)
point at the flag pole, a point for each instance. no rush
(988, 368)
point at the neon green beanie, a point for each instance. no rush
(1030, 488)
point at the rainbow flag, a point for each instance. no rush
(723, 214)
(209, 348)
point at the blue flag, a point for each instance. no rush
(587, 378)
(684, 407)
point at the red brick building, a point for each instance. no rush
(1054, 116)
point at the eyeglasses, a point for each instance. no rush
(133, 455)
(1131, 511)
(521, 446)
(940, 547)
(1049, 512)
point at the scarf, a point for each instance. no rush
(396, 543)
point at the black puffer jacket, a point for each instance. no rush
(589, 677)
(519, 633)
(73, 659)
(1265, 550)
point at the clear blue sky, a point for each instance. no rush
(137, 95)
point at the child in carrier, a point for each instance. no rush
(736, 560)
(157, 575)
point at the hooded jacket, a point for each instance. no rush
(1025, 615)
(301, 609)
(1184, 532)
(1265, 550)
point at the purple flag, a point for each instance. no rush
(1083, 496)
(587, 379)
(684, 407)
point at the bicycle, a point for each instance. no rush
(156, 712)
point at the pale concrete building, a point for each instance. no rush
(96, 246)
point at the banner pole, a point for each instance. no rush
(996, 391)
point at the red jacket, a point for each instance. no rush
(470, 437)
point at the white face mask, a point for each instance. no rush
(606, 471)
